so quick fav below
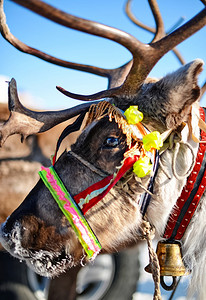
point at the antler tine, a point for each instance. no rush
(182, 33)
(103, 94)
(131, 16)
(27, 122)
(119, 75)
(159, 32)
(116, 80)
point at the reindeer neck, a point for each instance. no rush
(176, 165)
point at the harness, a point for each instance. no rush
(169, 250)
(192, 192)
(74, 208)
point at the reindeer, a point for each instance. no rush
(37, 231)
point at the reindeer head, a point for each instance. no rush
(37, 231)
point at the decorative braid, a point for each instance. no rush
(147, 233)
(104, 108)
(97, 111)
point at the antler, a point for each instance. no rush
(111, 74)
(124, 82)
(27, 122)
(145, 56)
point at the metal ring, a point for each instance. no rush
(168, 287)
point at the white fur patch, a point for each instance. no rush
(45, 263)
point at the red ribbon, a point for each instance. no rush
(111, 180)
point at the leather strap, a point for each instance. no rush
(191, 194)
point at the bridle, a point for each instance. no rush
(85, 200)
(87, 164)
(74, 208)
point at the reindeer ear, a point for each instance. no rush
(166, 103)
(182, 91)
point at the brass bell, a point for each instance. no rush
(170, 260)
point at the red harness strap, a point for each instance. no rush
(188, 201)
(94, 193)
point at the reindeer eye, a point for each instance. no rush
(111, 142)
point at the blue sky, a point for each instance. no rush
(40, 78)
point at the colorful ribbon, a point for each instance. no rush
(139, 159)
(94, 193)
(71, 211)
